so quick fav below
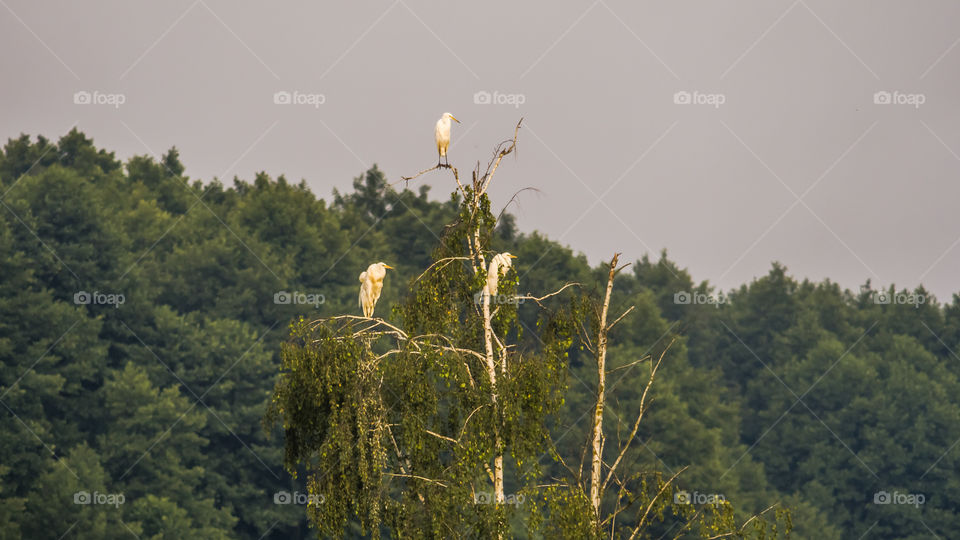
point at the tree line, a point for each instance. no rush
(146, 314)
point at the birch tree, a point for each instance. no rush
(432, 422)
(415, 421)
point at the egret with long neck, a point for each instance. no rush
(442, 135)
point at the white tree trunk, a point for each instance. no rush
(492, 373)
(597, 461)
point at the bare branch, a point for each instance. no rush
(544, 297)
(501, 152)
(586, 337)
(377, 320)
(636, 425)
(513, 199)
(437, 435)
(631, 364)
(421, 173)
(620, 317)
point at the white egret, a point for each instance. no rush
(442, 135)
(372, 284)
(498, 266)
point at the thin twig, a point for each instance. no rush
(425, 479)
(620, 317)
(636, 425)
(445, 261)
(646, 512)
(745, 523)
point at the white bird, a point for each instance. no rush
(498, 266)
(372, 284)
(442, 134)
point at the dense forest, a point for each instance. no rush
(143, 314)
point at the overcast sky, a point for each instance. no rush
(782, 152)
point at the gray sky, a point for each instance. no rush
(786, 157)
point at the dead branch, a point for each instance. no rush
(631, 364)
(437, 435)
(376, 320)
(620, 317)
(512, 199)
(421, 173)
(636, 425)
(500, 153)
(544, 297)
(585, 336)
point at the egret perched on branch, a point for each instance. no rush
(442, 135)
(498, 266)
(372, 283)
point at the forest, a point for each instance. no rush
(147, 318)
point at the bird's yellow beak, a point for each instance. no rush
(388, 266)
(513, 256)
(454, 119)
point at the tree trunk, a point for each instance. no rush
(492, 373)
(597, 461)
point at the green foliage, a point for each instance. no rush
(160, 398)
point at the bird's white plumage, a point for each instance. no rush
(371, 285)
(441, 133)
(498, 266)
